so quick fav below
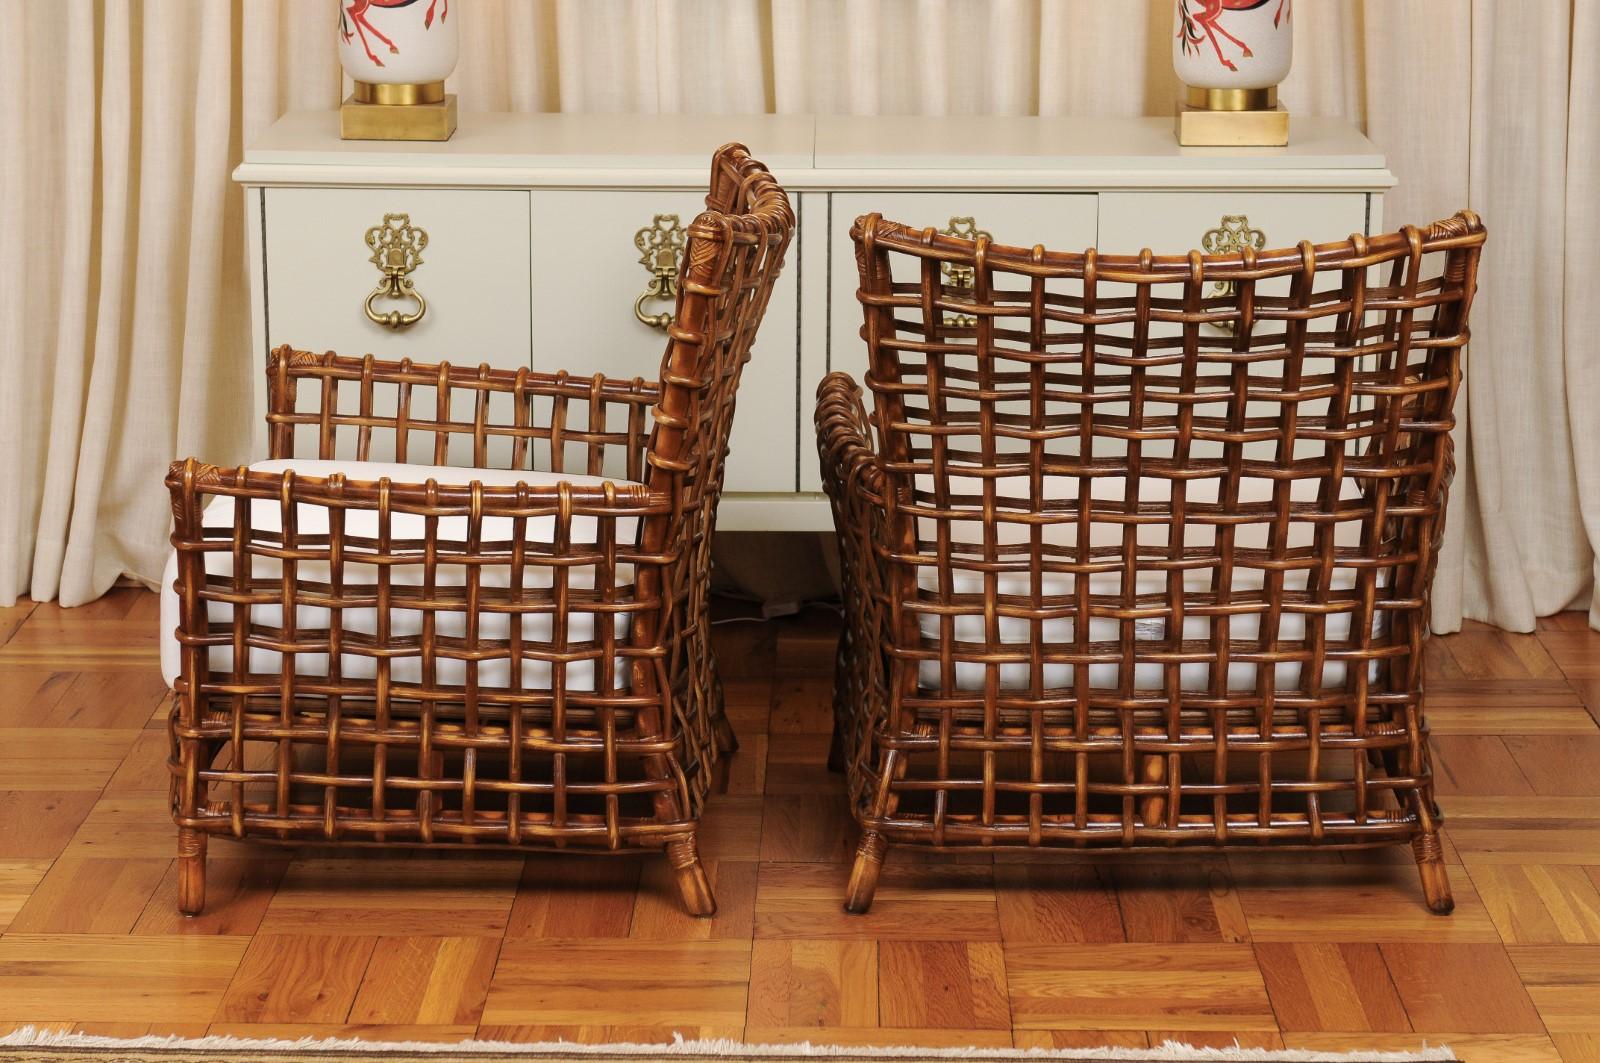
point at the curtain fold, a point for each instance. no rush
(124, 317)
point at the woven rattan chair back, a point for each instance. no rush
(1140, 554)
(506, 662)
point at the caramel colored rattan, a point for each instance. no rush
(998, 406)
(622, 761)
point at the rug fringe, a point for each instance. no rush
(35, 1037)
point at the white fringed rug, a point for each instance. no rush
(29, 1045)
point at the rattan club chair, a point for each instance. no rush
(1138, 549)
(511, 654)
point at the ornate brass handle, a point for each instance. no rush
(396, 250)
(1231, 236)
(660, 246)
(961, 278)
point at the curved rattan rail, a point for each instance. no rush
(1161, 472)
(621, 760)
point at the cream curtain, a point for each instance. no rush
(122, 310)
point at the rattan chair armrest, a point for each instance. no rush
(542, 414)
(844, 441)
(191, 479)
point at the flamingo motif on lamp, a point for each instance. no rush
(398, 53)
(1232, 55)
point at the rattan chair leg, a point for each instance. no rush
(191, 871)
(1435, 879)
(691, 875)
(864, 875)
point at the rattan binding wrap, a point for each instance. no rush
(1323, 375)
(621, 761)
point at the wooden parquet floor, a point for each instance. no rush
(1322, 951)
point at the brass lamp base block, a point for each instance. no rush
(1201, 127)
(384, 121)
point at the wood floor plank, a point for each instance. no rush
(426, 981)
(1578, 1047)
(1484, 652)
(111, 978)
(1576, 651)
(563, 895)
(131, 826)
(807, 828)
(931, 984)
(1332, 987)
(57, 758)
(1067, 903)
(1352, 902)
(295, 978)
(1446, 694)
(1536, 904)
(1568, 1008)
(879, 1036)
(1081, 1039)
(731, 828)
(1172, 902)
(1476, 764)
(1463, 988)
(699, 983)
(1556, 964)
(110, 699)
(38, 824)
(1137, 987)
(18, 879)
(918, 902)
(1588, 689)
(1564, 983)
(386, 1032)
(1542, 842)
(797, 984)
(1492, 719)
(12, 617)
(81, 643)
(1568, 765)
(802, 705)
(144, 763)
(744, 773)
(798, 764)
(394, 896)
(237, 895)
(91, 896)
(746, 699)
(658, 911)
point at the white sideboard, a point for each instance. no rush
(531, 224)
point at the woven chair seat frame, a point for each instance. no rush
(616, 582)
(1323, 377)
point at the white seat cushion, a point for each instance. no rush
(363, 523)
(1152, 540)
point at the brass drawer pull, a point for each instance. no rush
(396, 250)
(961, 279)
(1231, 236)
(660, 246)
